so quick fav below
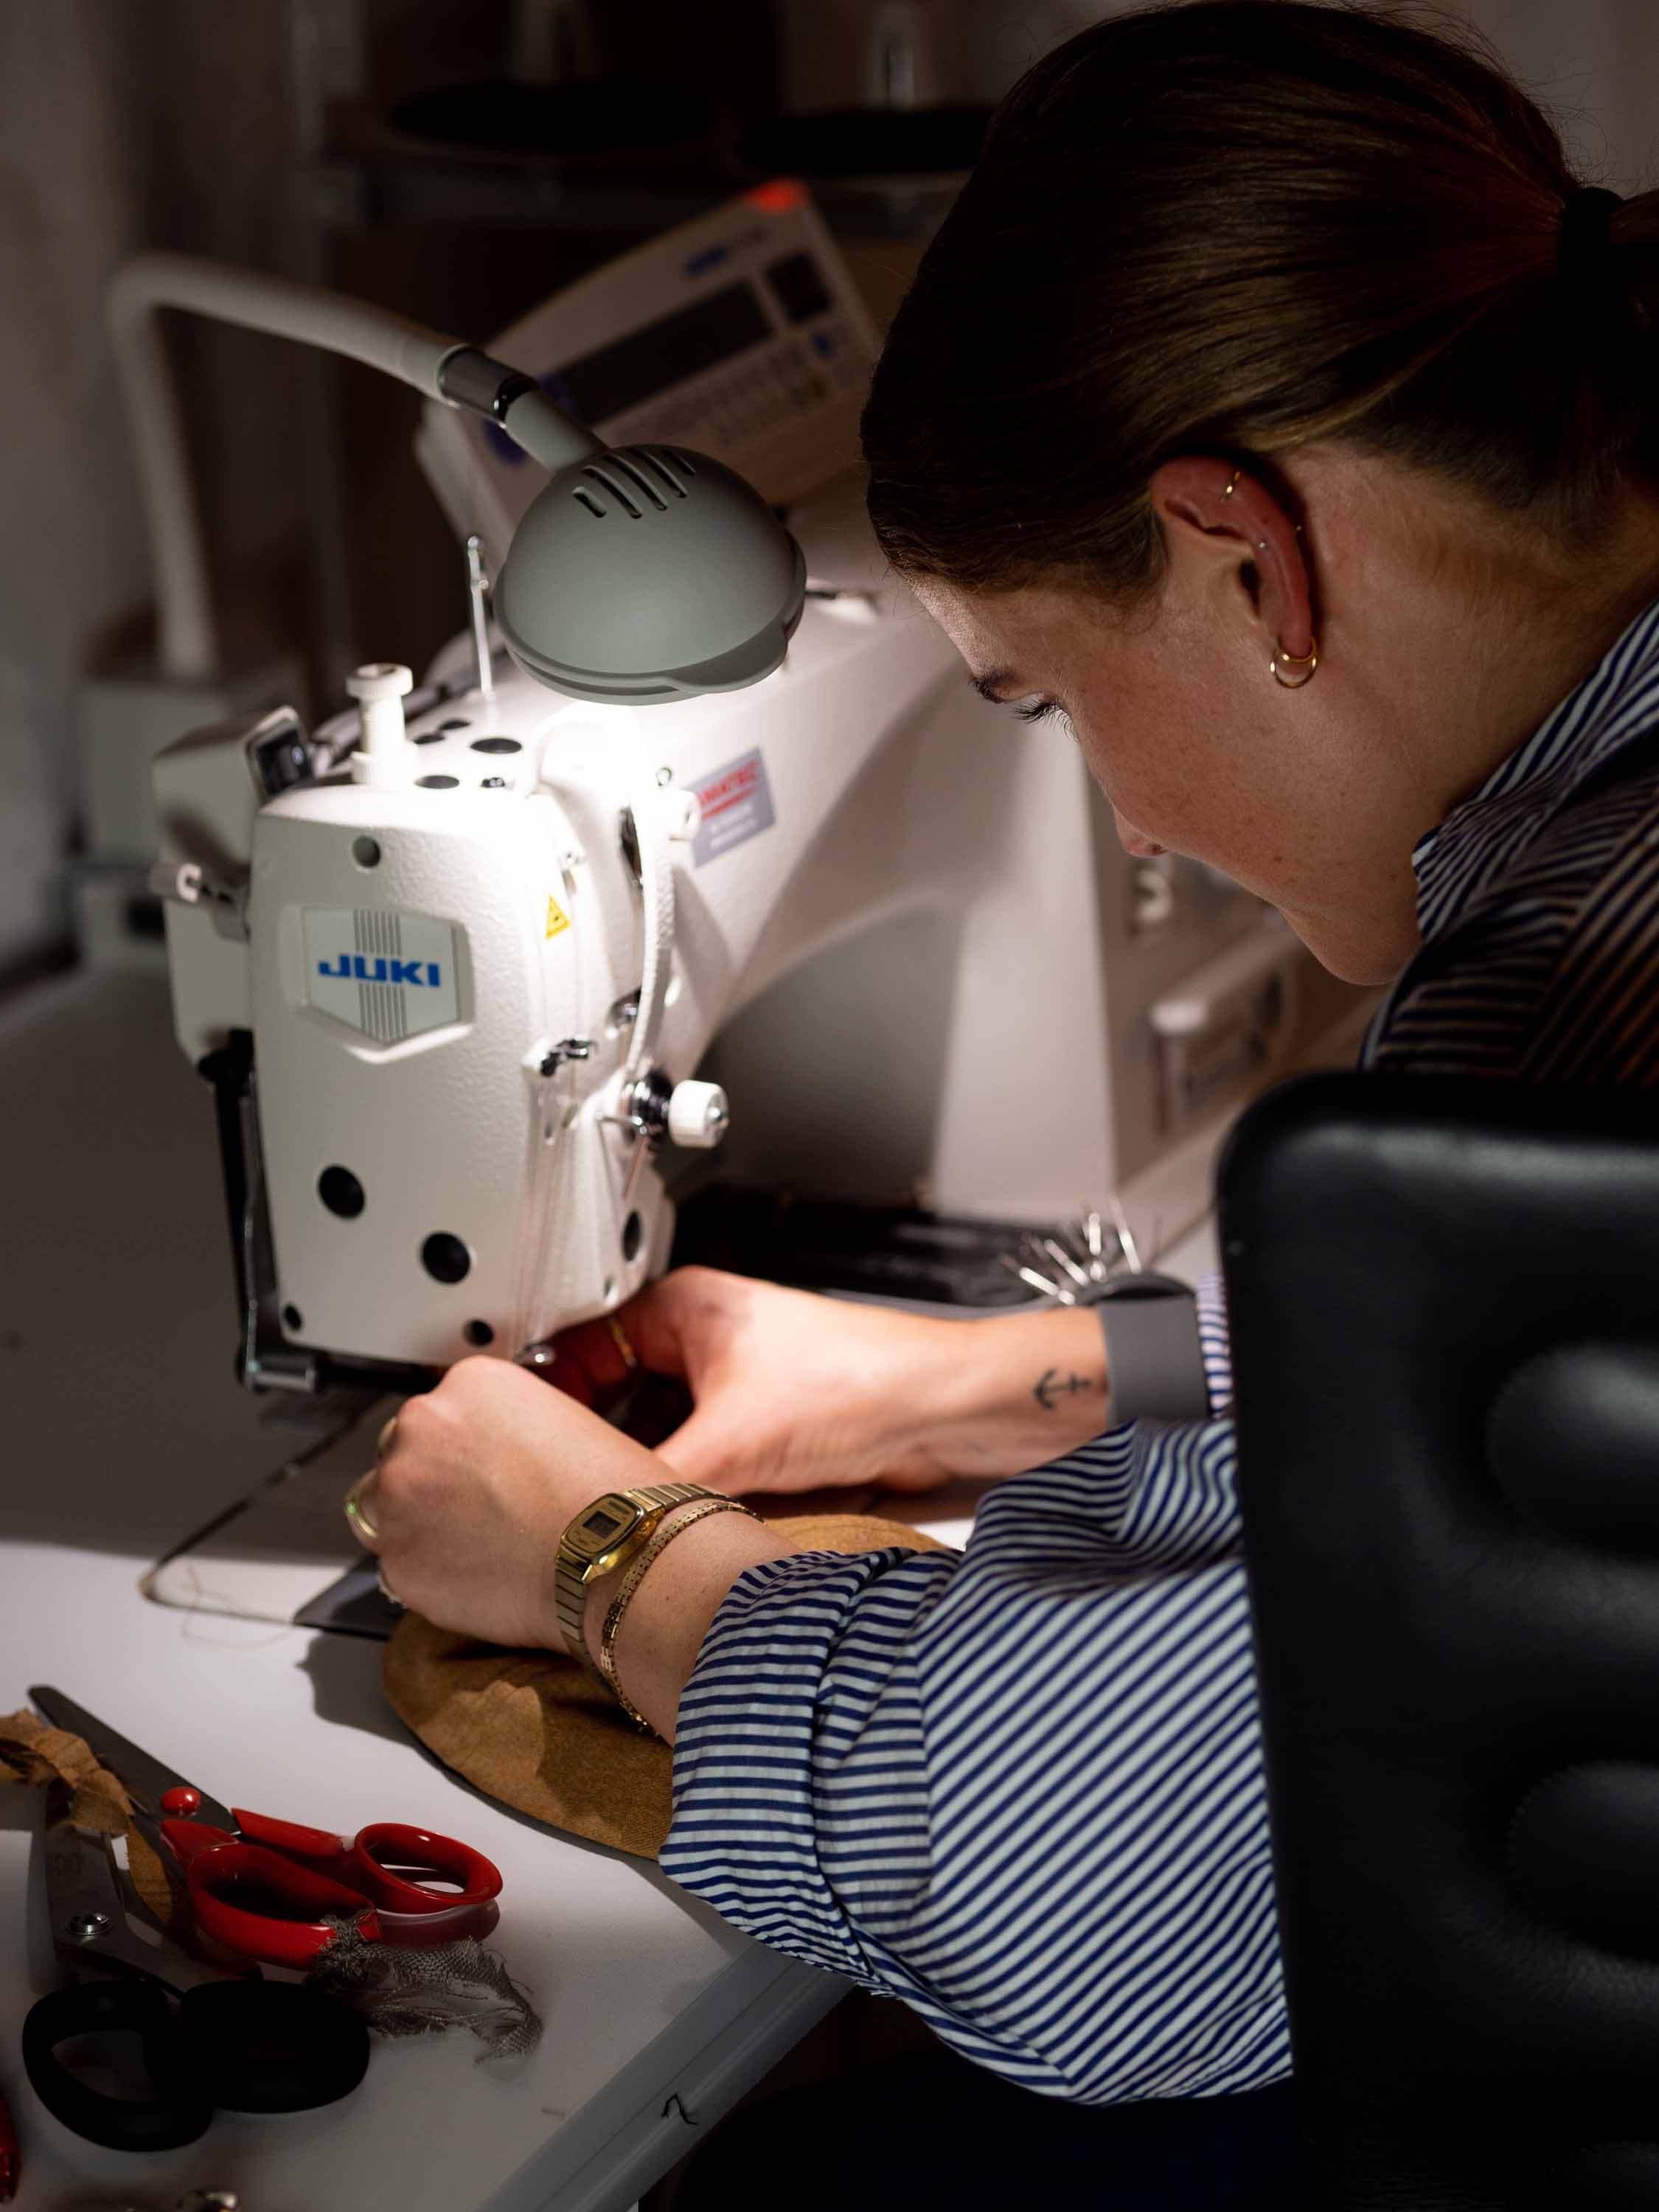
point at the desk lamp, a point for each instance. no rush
(639, 573)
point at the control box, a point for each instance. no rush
(741, 335)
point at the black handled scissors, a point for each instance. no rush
(205, 2041)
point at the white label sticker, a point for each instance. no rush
(737, 804)
(390, 975)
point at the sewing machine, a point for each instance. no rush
(478, 972)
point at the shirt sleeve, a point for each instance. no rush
(1215, 1342)
(1020, 1786)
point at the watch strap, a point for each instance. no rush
(1154, 1360)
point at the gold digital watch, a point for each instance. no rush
(602, 1537)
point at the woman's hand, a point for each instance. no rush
(473, 1491)
(477, 1482)
(794, 1392)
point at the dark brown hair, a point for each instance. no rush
(1234, 226)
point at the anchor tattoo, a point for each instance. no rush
(1048, 1390)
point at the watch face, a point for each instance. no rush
(606, 1520)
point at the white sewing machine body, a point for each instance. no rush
(455, 990)
(440, 977)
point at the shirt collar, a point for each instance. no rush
(1617, 703)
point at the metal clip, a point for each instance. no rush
(549, 1062)
(1072, 1265)
(1036, 1282)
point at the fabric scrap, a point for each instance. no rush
(536, 1732)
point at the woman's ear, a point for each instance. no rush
(1220, 520)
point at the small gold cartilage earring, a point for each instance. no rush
(1231, 484)
(1306, 662)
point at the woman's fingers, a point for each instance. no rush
(670, 1325)
(360, 1510)
(650, 1324)
(588, 1350)
(668, 1321)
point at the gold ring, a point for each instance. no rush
(387, 1590)
(361, 1527)
(383, 1442)
(630, 1359)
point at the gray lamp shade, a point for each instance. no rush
(646, 574)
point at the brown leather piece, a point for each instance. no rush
(31, 1751)
(34, 1753)
(539, 1734)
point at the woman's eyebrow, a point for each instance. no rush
(994, 686)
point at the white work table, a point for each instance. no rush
(124, 1429)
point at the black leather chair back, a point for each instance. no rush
(1445, 1326)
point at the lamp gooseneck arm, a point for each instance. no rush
(467, 378)
(438, 366)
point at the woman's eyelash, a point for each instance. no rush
(1040, 712)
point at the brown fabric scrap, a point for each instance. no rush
(540, 1734)
(34, 1753)
(160, 1887)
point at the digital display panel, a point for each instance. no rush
(602, 1524)
(663, 353)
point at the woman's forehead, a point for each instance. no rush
(1008, 640)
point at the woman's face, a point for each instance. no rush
(1199, 752)
(1429, 673)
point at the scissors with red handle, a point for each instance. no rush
(269, 1887)
(275, 1890)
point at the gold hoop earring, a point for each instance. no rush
(1306, 662)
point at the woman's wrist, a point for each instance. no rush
(1012, 1392)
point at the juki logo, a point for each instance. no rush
(358, 968)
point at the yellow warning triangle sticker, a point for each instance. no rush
(558, 918)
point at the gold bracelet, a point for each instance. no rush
(631, 1581)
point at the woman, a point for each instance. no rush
(1276, 408)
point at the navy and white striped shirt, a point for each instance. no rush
(1021, 1787)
